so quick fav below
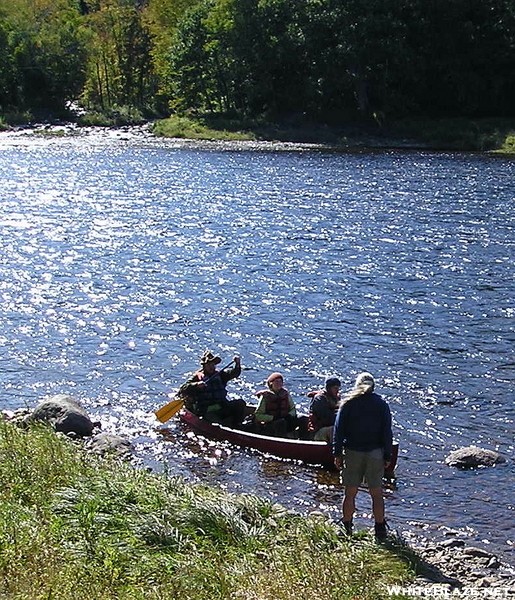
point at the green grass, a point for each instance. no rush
(77, 527)
(221, 127)
(187, 128)
(495, 135)
(52, 133)
(508, 146)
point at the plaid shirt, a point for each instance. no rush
(214, 391)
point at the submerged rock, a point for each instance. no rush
(472, 456)
(64, 414)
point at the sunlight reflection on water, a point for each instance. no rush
(121, 263)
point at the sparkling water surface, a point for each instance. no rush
(122, 260)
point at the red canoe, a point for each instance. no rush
(315, 453)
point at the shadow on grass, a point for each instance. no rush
(396, 545)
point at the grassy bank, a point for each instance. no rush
(202, 129)
(458, 134)
(476, 135)
(73, 526)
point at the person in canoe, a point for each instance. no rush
(205, 392)
(275, 414)
(362, 447)
(322, 410)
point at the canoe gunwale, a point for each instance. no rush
(306, 451)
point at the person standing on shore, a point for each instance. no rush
(362, 447)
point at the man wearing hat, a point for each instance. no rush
(205, 392)
(322, 410)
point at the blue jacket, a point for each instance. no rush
(363, 424)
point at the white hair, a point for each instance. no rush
(364, 383)
(365, 379)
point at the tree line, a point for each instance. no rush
(324, 59)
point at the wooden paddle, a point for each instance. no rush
(167, 411)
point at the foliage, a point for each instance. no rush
(458, 133)
(43, 52)
(241, 56)
(119, 69)
(330, 61)
(334, 59)
(87, 528)
(161, 18)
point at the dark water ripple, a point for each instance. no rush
(121, 261)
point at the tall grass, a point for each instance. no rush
(74, 526)
(196, 129)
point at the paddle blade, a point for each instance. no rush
(167, 412)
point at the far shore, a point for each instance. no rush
(465, 135)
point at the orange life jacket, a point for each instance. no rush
(276, 404)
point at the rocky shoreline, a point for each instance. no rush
(350, 137)
(455, 564)
(354, 140)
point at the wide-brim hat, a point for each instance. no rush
(209, 357)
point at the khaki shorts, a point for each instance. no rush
(367, 466)
(324, 434)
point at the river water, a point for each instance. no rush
(124, 257)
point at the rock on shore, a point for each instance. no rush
(64, 414)
(107, 443)
(457, 565)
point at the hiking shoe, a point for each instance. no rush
(380, 531)
(347, 526)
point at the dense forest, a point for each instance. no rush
(326, 59)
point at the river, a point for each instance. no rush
(124, 257)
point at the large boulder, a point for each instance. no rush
(472, 456)
(64, 414)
